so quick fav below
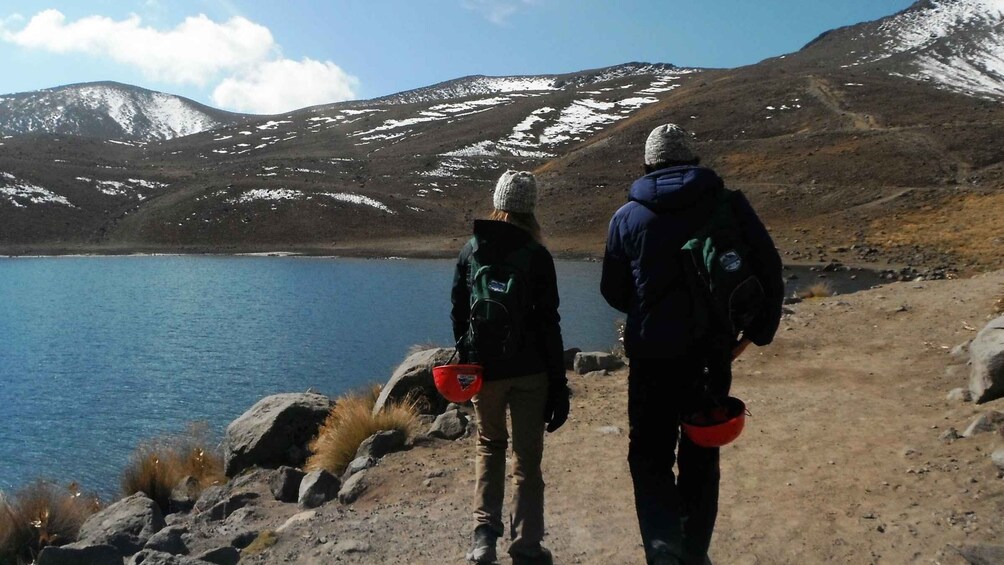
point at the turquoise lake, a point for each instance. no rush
(100, 353)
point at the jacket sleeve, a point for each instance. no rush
(616, 284)
(546, 309)
(768, 267)
(460, 296)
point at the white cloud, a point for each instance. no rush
(497, 11)
(194, 52)
(279, 86)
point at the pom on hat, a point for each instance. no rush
(516, 191)
(669, 144)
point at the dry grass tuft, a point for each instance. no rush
(817, 290)
(39, 515)
(265, 540)
(350, 422)
(156, 467)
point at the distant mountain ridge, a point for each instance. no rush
(108, 110)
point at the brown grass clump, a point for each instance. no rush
(817, 290)
(156, 467)
(39, 515)
(265, 540)
(350, 422)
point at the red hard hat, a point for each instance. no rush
(718, 425)
(457, 383)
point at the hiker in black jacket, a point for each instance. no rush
(531, 382)
(673, 372)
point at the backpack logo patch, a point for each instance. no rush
(496, 286)
(730, 261)
(466, 381)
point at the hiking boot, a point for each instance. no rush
(483, 549)
(543, 557)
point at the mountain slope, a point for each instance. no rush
(846, 158)
(108, 110)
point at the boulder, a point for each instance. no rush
(230, 504)
(986, 353)
(381, 443)
(596, 361)
(570, 357)
(987, 422)
(210, 497)
(127, 525)
(79, 554)
(449, 425)
(414, 377)
(150, 557)
(274, 432)
(221, 556)
(285, 485)
(982, 554)
(184, 495)
(356, 465)
(317, 488)
(169, 540)
(353, 488)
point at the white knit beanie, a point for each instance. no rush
(516, 191)
(669, 144)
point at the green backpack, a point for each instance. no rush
(720, 269)
(500, 303)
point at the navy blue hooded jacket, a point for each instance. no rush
(641, 269)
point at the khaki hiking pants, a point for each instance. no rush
(525, 397)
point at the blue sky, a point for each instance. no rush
(267, 56)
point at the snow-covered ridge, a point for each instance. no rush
(105, 110)
(956, 43)
(279, 194)
(487, 85)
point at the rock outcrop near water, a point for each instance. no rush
(414, 377)
(274, 432)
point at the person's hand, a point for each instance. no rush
(740, 347)
(556, 409)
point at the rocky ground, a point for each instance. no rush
(852, 455)
(842, 460)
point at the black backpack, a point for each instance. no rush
(500, 304)
(720, 268)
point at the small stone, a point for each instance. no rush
(221, 556)
(909, 451)
(959, 395)
(285, 485)
(350, 546)
(317, 488)
(986, 422)
(353, 488)
(998, 458)
(381, 443)
(169, 540)
(358, 464)
(295, 519)
(450, 425)
(950, 435)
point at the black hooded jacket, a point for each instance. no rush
(642, 275)
(542, 350)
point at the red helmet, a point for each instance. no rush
(718, 425)
(457, 383)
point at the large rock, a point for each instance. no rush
(982, 554)
(587, 362)
(317, 488)
(78, 554)
(274, 432)
(986, 353)
(127, 525)
(220, 556)
(353, 488)
(381, 443)
(169, 540)
(414, 377)
(230, 504)
(285, 486)
(570, 357)
(151, 557)
(356, 465)
(986, 422)
(449, 425)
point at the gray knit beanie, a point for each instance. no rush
(669, 144)
(516, 191)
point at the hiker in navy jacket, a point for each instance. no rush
(672, 370)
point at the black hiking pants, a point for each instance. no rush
(676, 515)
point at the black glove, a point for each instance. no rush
(556, 409)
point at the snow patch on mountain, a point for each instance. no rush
(21, 193)
(956, 43)
(280, 194)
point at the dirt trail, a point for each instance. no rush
(841, 461)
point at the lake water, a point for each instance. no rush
(100, 353)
